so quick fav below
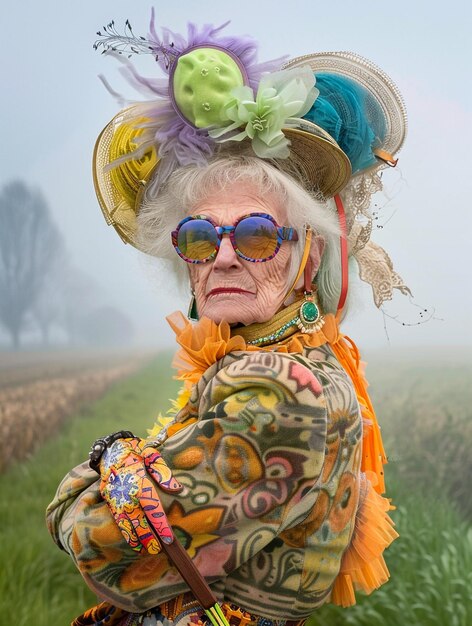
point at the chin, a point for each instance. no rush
(235, 314)
(223, 316)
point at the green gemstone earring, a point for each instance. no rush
(310, 318)
(192, 313)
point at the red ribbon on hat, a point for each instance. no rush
(344, 253)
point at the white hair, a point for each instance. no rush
(188, 186)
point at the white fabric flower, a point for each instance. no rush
(282, 99)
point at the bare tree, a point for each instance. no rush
(80, 294)
(29, 241)
(49, 306)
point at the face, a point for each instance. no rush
(229, 287)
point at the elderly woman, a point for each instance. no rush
(261, 500)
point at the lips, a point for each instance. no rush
(234, 290)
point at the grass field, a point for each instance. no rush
(431, 563)
(430, 566)
(38, 583)
(39, 390)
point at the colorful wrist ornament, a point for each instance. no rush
(100, 445)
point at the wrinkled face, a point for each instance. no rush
(230, 288)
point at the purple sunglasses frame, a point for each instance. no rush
(284, 233)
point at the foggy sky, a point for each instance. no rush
(53, 107)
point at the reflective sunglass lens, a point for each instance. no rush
(256, 237)
(197, 239)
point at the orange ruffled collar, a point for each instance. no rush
(205, 342)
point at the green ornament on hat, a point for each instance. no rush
(202, 82)
(210, 91)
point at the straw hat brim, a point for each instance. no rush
(325, 166)
(120, 188)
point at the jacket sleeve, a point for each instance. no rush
(251, 465)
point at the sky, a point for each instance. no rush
(53, 106)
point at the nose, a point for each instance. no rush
(226, 257)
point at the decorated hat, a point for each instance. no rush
(335, 115)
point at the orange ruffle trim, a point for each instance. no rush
(373, 453)
(363, 567)
(204, 343)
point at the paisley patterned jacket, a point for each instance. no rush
(272, 470)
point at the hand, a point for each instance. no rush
(126, 469)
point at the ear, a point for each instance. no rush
(316, 252)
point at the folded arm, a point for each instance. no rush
(249, 465)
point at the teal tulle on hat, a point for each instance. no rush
(350, 114)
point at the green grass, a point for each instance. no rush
(426, 415)
(38, 583)
(430, 564)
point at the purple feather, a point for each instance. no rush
(178, 142)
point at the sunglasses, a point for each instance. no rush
(255, 237)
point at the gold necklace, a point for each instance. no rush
(303, 314)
